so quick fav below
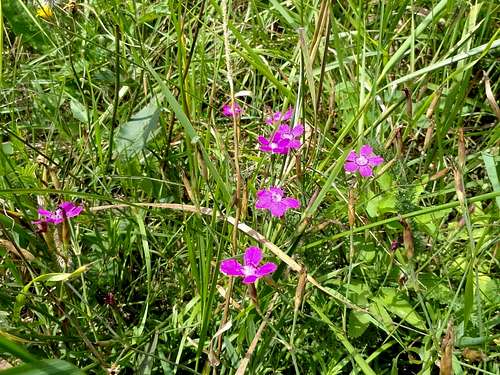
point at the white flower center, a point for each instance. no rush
(273, 145)
(58, 214)
(361, 160)
(248, 270)
(276, 197)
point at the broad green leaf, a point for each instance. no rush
(7, 148)
(78, 110)
(431, 221)
(381, 204)
(385, 181)
(489, 289)
(358, 323)
(134, 135)
(394, 302)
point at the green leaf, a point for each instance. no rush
(44, 367)
(381, 204)
(24, 24)
(79, 111)
(134, 135)
(491, 170)
(358, 323)
(48, 277)
(6, 148)
(397, 304)
(468, 296)
(7, 346)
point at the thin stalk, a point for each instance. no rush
(116, 94)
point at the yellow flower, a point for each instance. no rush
(45, 11)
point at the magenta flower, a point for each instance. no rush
(278, 117)
(362, 162)
(65, 210)
(272, 199)
(274, 145)
(289, 134)
(230, 110)
(250, 270)
(283, 140)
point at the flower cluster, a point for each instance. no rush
(65, 210)
(284, 138)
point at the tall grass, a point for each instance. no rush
(117, 105)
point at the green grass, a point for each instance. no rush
(118, 106)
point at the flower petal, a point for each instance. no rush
(266, 269)
(365, 171)
(276, 190)
(294, 143)
(350, 166)
(288, 114)
(352, 156)
(298, 130)
(278, 209)
(376, 160)
(70, 209)
(44, 212)
(366, 151)
(252, 256)
(250, 279)
(283, 129)
(263, 140)
(54, 219)
(264, 199)
(66, 206)
(231, 267)
(75, 211)
(291, 202)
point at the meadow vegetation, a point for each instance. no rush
(260, 187)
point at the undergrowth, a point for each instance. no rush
(117, 106)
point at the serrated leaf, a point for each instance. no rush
(133, 136)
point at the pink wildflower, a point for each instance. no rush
(250, 270)
(230, 110)
(274, 145)
(65, 210)
(278, 117)
(364, 161)
(283, 140)
(272, 199)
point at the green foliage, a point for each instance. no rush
(117, 105)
